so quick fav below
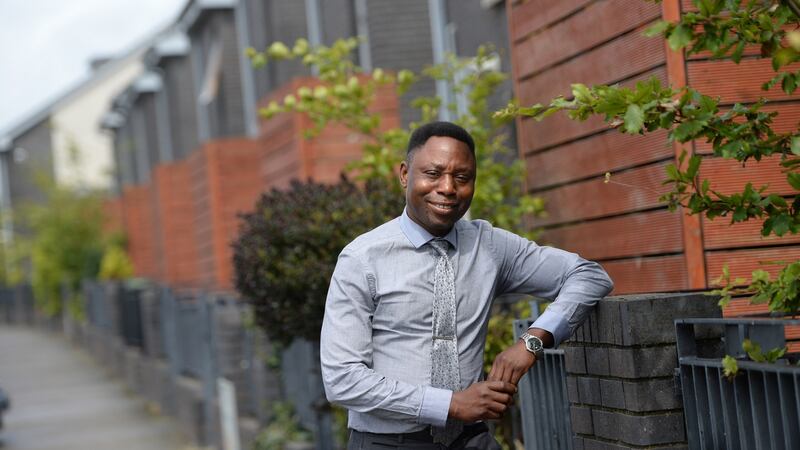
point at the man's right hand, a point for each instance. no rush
(481, 401)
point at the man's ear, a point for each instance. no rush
(404, 174)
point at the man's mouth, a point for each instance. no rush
(444, 207)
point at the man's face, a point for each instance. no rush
(439, 183)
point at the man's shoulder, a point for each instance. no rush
(377, 236)
(483, 231)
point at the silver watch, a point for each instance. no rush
(533, 344)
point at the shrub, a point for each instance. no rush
(287, 249)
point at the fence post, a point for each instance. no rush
(321, 406)
(209, 369)
(170, 336)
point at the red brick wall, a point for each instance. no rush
(288, 155)
(112, 210)
(225, 181)
(181, 226)
(140, 225)
(176, 214)
(643, 246)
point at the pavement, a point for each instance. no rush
(62, 399)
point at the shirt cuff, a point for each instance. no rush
(555, 324)
(435, 406)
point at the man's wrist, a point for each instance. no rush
(544, 335)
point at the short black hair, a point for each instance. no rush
(447, 129)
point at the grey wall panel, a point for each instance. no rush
(400, 38)
(229, 110)
(287, 23)
(147, 103)
(338, 20)
(32, 154)
(181, 93)
(225, 113)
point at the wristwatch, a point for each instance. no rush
(533, 344)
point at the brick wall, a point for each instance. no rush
(139, 215)
(225, 180)
(288, 155)
(181, 225)
(620, 365)
(176, 213)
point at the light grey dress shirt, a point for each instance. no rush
(376, 336)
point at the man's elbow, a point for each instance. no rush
(607, 283)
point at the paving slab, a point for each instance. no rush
(62, 399)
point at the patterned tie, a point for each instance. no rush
(444, 353)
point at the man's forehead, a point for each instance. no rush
(444, 152)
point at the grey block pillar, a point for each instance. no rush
(621, 371)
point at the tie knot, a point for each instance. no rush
(441, 246)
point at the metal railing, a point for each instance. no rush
(544, 404)
(759, 408)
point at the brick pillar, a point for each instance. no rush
(621, 371)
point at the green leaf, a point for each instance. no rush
(783, 57)
(680, 37)
(657, 28)
(753, 350)
(789, 83)
(730, 368)
(795, 147)
(781, 224)
(794, 179)
(694, 165)
(581, 93)
(775, 354)
(634, 119)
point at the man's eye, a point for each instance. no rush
(432, 173)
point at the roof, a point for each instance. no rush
(103, 72)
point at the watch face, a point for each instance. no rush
(534, 344)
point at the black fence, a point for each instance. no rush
(759, 407)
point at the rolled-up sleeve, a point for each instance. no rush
(346, 355)
(574, 284)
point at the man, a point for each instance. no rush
(408, 306)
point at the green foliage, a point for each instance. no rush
(725, 28)
(283, 429)
(742, 132)
(64, 240)
(345, 95)
(115, 264)
(287, 249)
(730, 367)
(754, 352)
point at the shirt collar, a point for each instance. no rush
(419, 236)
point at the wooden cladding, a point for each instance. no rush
(593, 25)
(742, 82)
(559, 129)
(622, 224)
(609, 151)
(642, 274)
(633, 190)
(720, 233)
(649, 233)
(631, 54)
(529, 17)
(728, 176)
(742, 263)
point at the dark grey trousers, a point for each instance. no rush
(367, 441)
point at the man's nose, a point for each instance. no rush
(447, 185)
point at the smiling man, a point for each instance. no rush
(408, 306)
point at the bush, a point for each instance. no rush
(287, 249)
